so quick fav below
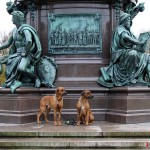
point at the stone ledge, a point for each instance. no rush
(78, 89)
(130, 89)
(47, 90)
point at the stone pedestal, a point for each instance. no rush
(22, 107)
(128, 105)
(121, 104)
(77, 71)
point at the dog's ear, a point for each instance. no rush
(57, 90)
(83, 93)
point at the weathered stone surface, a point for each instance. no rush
(103, 135)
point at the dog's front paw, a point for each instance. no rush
(59, 123)
(47, 121)
(78, 123)
(39, 122)
(55, 123)
(86, 124)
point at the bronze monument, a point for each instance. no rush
(76, 37)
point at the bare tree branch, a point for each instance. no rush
(3, 38)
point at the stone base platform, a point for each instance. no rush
(128, 104)
(100, 135)
(22, 106)
(122, 104)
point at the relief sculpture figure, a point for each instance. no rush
(129, 63)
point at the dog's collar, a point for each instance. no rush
(82, 101)
(56, 99)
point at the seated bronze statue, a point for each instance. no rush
(24, 53)
(24, 56)
(129, 63)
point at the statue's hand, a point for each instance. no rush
(142, 43)
(23, 54)
(141, 7)
(141, 46)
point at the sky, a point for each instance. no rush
(6, 24)
(141, 23)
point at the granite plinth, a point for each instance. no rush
(128, 104)
(121, 104)
(22, 106)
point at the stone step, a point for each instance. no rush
(98, 129)
(68, 134)
(74, 149)
(72, 143)
(51, 134)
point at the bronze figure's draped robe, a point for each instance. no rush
(18, 47)
(127, 64)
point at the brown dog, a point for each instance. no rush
(84, 113)
(52, 102)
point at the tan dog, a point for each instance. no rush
(84, 113)
(52, 102)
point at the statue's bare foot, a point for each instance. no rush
(37, 83)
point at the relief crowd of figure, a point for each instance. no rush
(74, 37)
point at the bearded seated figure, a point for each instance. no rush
(129, 63)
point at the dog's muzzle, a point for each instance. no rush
(65, 93)
(90, 97)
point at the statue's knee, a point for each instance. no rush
(20, 69)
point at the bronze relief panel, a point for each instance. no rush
(74, 33)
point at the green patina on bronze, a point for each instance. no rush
(129, 63)
(75, 34)
(23, 6)
(127, 6)
(145, 37)
(25, 52)
(25, 56)
(46, 70)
